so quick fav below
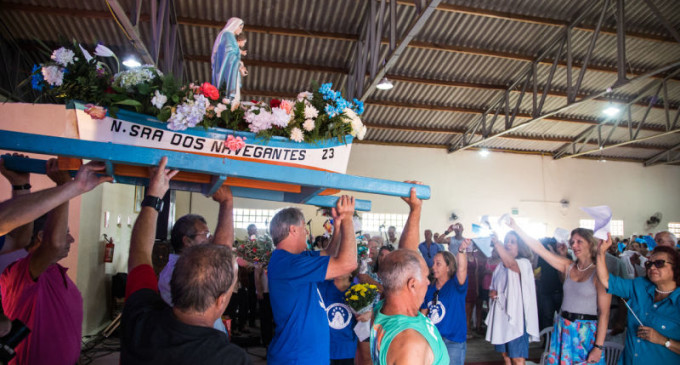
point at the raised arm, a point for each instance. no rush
(508, 261)
(462, 262)
(55, 239)
(604, 301)
(409, 237)
(346, 259)
(601, 264)
(224, 233)
(19, 237)
(333, 245)
(560, 263)
(27, 208)
(144, 230)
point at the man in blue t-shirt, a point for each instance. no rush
(302, 334)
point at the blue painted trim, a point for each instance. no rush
(38, 166)
(219, 133)
(215, 184)
(141, 156)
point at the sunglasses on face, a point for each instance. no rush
(657, 263)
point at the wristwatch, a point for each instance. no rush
(21, 187)
(598, 346)
(667, 343)
(461, 251)
(153, 202)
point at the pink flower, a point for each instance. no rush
(234, 143)
(286, 105)
(95, 111)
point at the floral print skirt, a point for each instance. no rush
(572, 341)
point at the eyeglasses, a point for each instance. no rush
(658, 263)
(436, 297)
(206, 234)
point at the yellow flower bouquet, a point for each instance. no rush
(361, 297)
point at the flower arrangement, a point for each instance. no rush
(255, 249)
(361, 297)
(74, 74)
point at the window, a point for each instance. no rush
(260, 217)
(371, 222)
(616, 225)
(674, 227)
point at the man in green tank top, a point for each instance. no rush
(400, 334)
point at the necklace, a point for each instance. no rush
(663, 292)
(579, 269)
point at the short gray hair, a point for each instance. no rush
(202, 273)
(399, 266)
(280, 224)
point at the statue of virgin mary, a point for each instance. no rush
(226, 59)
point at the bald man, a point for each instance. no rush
(665, 238)
(400, 334)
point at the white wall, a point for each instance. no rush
(472, 186)
(94, 279)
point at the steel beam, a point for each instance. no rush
(564, 40)
(390, 56)
(130, 31)
(663, 157)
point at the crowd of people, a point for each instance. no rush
(433, 295)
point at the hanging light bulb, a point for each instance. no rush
(384, 84)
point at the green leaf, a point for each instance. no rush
(130, 102)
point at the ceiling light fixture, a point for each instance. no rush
(385, 84)
(131, 62)
(611, 111)
(484, 152)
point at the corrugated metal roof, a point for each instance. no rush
(407, 104)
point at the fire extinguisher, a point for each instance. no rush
(108, 248)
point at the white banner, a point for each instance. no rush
(330, 156)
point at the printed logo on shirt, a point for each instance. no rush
(437, 312)
(338, 315)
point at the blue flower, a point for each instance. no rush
(37, 78)
(331, 111)
(359, 109)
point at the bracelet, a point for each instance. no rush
(21, 187)
(461, 251)
(598, 346)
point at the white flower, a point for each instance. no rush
(350, 114)
(219, 109)
(280, 118)
(357, 126)
(304, 95)
(258, 122)
(63, 56)
(226, 101)
(297, 135)
(189, 113)
(87, 54)
(308, 125)
(129, 78)
(54, 75)
(311, 112)
(362, 132)
(103, 51)
(159, 100)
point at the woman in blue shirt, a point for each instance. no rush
(655, 300)
(340, 319)
(445, 300)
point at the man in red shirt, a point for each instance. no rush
(201, 286)
(36, 289)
